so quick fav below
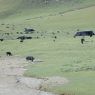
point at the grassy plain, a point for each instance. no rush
(65, 57)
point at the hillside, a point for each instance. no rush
(56, 51)
(36, 7)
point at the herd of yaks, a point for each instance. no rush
(28, 31)
(31, 58)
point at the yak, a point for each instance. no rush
(24, 37)
(21, 37)
(1, 40)
(31, 58)
(8, 53)
(29, 30)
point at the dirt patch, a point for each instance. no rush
(12, 81)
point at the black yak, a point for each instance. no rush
(31, 58)
(1, 40)
(29, 30)
(24, 37)
(8, 53)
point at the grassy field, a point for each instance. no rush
(21, 8)
(65, 56)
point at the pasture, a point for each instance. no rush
(62, 56)
(67, 58)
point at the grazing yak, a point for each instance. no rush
(8, 53)
(28, 37)
(21, 38)
(24, 37)
(82, 40)
(84, 33)
(31, 58)
(1, 40)
(29, 30)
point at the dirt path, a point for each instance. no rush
(12, 81)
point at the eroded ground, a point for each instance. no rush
(12, 81)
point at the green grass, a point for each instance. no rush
(81, 83)
(65, 57)
(21, 8)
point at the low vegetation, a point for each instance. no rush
(52, 43)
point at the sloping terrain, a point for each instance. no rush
(8, 7)
(12, 81)
(36, 7)
(59, 54)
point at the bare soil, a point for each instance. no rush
(12, 81)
